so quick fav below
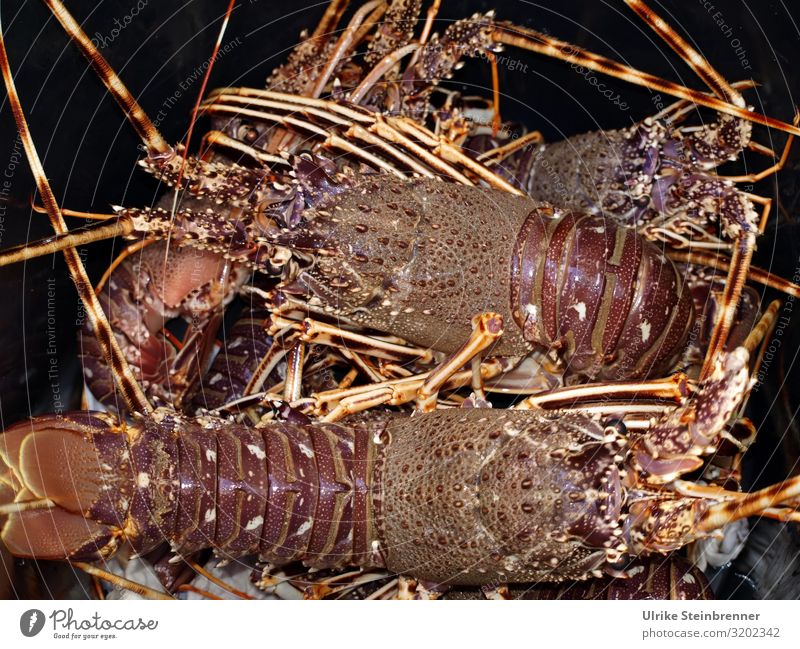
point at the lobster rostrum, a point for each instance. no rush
(454, 497)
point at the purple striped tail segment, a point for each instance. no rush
(608, 302)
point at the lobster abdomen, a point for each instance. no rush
(607, 301)
(284, 492)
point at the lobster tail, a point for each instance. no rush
(62, 488)
(606, 300)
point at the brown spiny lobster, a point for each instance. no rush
(257, 197)
(298, 211)
(454, 497)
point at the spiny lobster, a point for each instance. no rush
(257, 196)
(226, 241)
(453, 497)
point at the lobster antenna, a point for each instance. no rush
(72, 239)
(147, 131)
(745, 505)
(702, 68)
(330, 19)
(212, 59)
(112, 353)
(530, 39)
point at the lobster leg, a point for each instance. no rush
(333, 140)
(486, 328)
(760, 335)
(340, 403)
(294, 372)
(322, 333)
(120, 582)
(500, 153)
(772, 169)
(374, 130)
(729, 301)
(222, 140)
(281, 345)
(673, 388)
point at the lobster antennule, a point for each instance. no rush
(63, 488)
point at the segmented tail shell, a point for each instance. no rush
(607, 301)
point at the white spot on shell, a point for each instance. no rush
(304, 527)
(635, 571)
(211, 514)
(580, 307)
(306, 451)
(211, 456)
(143, 480)
(255, 523)
(258, 452)
(644, 327)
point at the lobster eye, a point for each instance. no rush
(247, 133)
(617, 425)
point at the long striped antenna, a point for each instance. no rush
(152, 139)
(699, 64)
(118, 228)
(132, 393)
(530, 39)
